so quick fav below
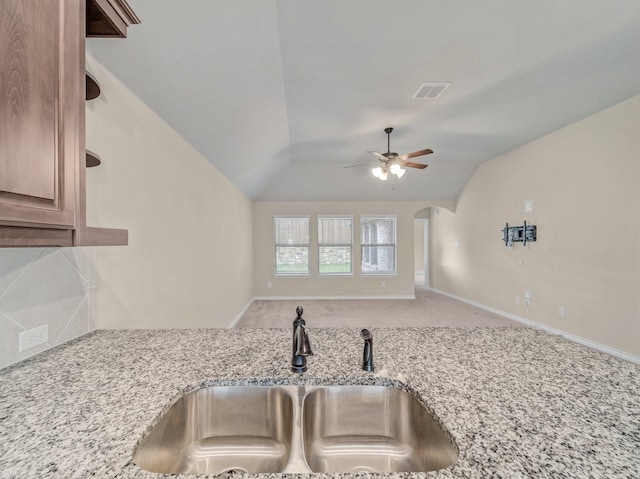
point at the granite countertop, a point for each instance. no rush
(518, 402)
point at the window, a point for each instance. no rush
(378, 244)
(335, 244)
(292, 244)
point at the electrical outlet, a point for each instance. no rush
(269, 284)
(527, 295)
(382, 284)
(32, 338)
(562, 312)
(526, 303)
(517, 299)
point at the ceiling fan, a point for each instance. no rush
(393, 163)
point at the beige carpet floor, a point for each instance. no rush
(427, 310)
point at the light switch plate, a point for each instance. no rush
(528, 206)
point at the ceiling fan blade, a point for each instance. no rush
(378, 155)
(361, 164)
(413, 165)
(426, 151)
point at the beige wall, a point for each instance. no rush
(584, 181)
(402, 285)
(188, 263)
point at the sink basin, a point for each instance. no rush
(371, 429)
(210, 431)
(296, 429)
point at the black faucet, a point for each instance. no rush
(367, 354)
(301, 344)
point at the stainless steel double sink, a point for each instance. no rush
(296, 429)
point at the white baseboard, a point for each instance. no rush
(233, 323)
(571, 337)
(333, 298)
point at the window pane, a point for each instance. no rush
(334, 230)
(292, 230)
(335, 237)
(378, 244)
(291, 245)
(378, 259)
(335, 259)
(378, 230)
(292, 259)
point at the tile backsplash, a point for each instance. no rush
(39, 286)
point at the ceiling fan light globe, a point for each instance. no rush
(383, 176)
(394, 168)
(400, 172)
(377, 171)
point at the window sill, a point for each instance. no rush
(388, 275)
(335, 275)
(291, 275)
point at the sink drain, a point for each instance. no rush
(364, 469)
(234, 470)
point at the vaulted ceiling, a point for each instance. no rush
(280, 95)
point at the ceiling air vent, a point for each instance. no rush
(430, 91)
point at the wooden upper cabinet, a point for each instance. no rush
(40, 104)
(42, 113)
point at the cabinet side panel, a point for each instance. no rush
(29, 55)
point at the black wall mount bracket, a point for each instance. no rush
(519, 234)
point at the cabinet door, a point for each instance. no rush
(41, 94)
